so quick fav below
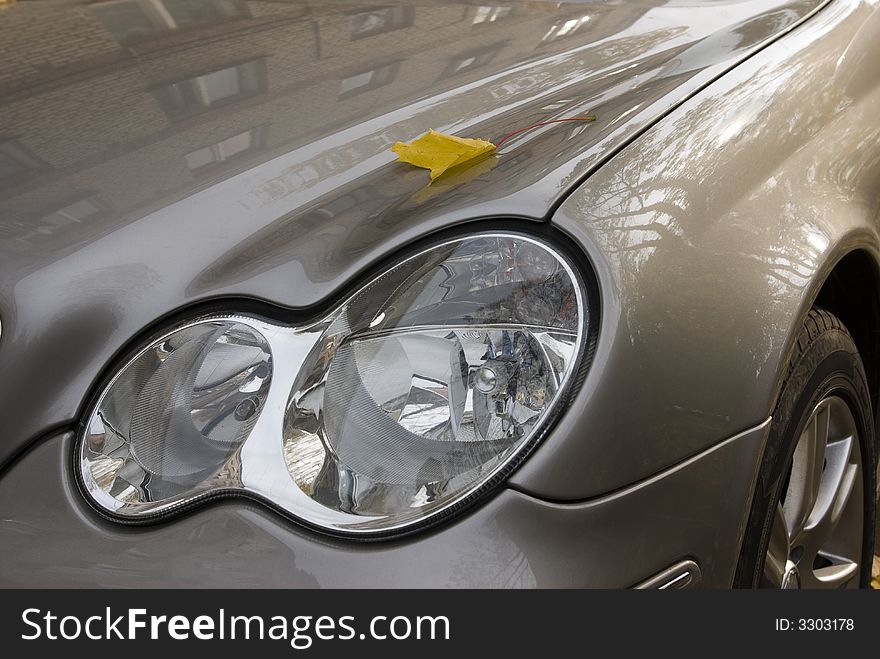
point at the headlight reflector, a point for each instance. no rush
(408, 398)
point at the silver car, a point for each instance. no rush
(636, 343)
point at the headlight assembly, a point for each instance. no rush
(412, 396)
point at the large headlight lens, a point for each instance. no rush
(412, 395)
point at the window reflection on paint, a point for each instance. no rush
(473, 59)
(490, 14)
(379, 21)
(565, 28)
(16, 160)
(226, 149)
(193, 95)
(367, 80)
(134, 20)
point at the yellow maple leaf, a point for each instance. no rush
(440, 152)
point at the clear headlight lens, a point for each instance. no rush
(412, 395)
(177, 415)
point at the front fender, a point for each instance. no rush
(711, 234)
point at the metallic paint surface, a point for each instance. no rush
(711, 235)
(49, 537)
(110, 225)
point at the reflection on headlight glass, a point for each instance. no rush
(407, 406)
(407, 398)
(179, 412)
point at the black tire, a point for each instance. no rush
(825, 362)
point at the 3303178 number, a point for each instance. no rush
(815, 624)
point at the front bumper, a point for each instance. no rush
(696, 510)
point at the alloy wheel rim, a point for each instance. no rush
(816, 537)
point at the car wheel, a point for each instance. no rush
(811, 523)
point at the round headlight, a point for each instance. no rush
(432, 379)
(420, 390)
(176, 416)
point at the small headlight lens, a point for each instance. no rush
(408, 398)
(177, 414)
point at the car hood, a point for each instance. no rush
(155, 153)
